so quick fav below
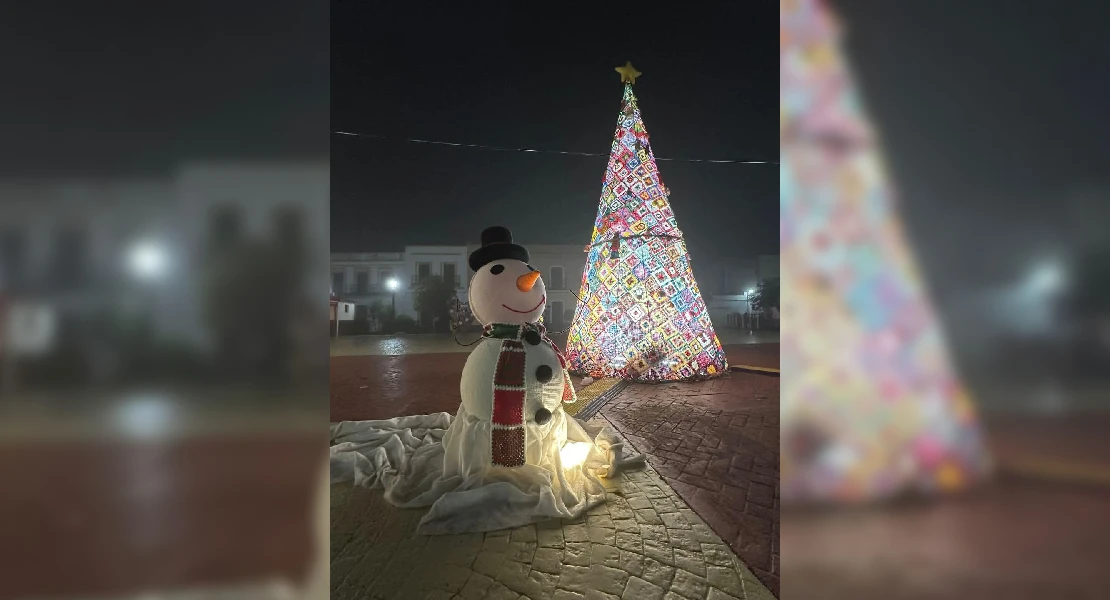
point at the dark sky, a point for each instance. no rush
(126, 88)
(993, 115)
(544, 78)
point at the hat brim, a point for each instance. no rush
(487, 254)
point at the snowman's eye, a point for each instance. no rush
(496, 269)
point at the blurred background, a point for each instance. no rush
(164, 188)
(985, 120)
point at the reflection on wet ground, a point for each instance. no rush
(398, 345)
(115, 493)
(1007, 540)
(1020, 536)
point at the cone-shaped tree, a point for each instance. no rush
(641, 316)
(872, 406)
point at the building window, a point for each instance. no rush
(423, 272)
(69, 255)
(558, 282)
(449, 275)
(337, 282)
(556, 316)
(362, 279)
(13, 256)
(225, 228)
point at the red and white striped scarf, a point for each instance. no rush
(507, 431)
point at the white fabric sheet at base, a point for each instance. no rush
(444, 462)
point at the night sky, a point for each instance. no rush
(992, 113)
(545, 79)
(993, 117)
(134, 88)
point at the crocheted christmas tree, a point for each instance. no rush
(871, 406)
(641, 316)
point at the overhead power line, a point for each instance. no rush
(542, 151)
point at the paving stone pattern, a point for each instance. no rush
(717, 444)
(644, 543)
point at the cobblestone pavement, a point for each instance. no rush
(644, 543)
(717, 444)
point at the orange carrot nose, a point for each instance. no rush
(525, 282)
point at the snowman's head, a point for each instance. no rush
(507, 291)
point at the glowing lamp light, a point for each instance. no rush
(574, 454)
(1047, 278)
(392, 284)
(145, 416)
(147, 260)
(750, 292)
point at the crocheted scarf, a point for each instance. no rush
(507, 432)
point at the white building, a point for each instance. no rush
(387, 279)
(362, 278)
(728, 285)
(88, 245)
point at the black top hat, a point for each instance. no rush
(497, 244)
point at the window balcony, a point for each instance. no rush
(418, 279)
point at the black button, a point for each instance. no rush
(543, 415)
(543, 373)
(532, 337)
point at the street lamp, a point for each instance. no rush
(392, 284)
(147, 261)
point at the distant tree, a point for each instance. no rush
(1089, 295)
(253, 291)
(433, 297)
(766, 295)
(377, 311)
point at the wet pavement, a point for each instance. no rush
(1009, 540)
(397, 345)
(99, 514)
(384, 386)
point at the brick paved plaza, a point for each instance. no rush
(716, 443)
(712, 446)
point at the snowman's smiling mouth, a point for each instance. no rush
(524, 312)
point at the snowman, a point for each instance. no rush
(515, 382)
(511, 455)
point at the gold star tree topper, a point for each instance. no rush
(628, 73)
